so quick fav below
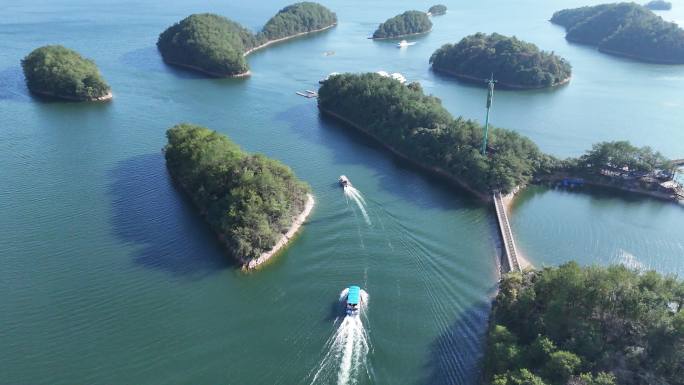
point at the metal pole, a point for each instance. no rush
(490, 96)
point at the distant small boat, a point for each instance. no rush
(344, 181)
(405, 43)
(353, 300)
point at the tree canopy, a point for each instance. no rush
(248, 199)
(659, 5)
(513, 62)
(420, 128)
(408, 23)
(61, 72)
(592, 326)
(209, 43)
(626, 29)
(621, 155)
(298, 18)
(437, 10)
(217, 46)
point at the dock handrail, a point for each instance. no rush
(509, 249)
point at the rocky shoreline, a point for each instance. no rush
(285, 239)
(473, 79)
(106, 97)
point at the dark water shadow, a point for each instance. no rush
(149, 213)
(12, 86)
(149, 59)
(352, 147)
(456, 355)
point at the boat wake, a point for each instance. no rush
(346, 351)
(355, 195)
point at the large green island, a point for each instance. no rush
(624, 29)
(418, 128)
(254, 204)
(406, 24)
(59, 72)
(514, 63)
(586, 326)
(216, 46)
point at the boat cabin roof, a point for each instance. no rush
(353, 295)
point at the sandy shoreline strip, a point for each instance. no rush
(285, 239)
(106, 97)
(286, 38)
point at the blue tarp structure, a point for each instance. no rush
(353, 295)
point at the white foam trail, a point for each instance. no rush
(355, 195)
(347, 349)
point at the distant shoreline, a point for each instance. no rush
(104, 98)
(249, 51)
(504, 85)
(399, 36)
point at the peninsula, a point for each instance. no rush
(59, 72)
(437, 10)
(514, 63)
(254, 204)
(586, 325)
(624, 29)
(408, 23)
(217, 46)
(418, 128)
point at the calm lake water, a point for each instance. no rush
(109, 277)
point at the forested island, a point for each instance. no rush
(217, 46)
(59, 72)
(586, 326)
(255, 204)
(514, 63)
(437, 10)
(418, 128)
(658, 5)
(624, 29)
(408, 23)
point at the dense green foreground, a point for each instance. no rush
(60, 72)
(417, 126)
(515, 63)
(625, 29)
(217, 46)
(248, 199)
(408, 23)
(590, 325)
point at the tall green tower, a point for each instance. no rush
(490, 96)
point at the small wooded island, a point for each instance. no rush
(217, 46)
(514, 63)
(254, 204)
(418, 128)
(408, 23)
(658, 5)
(437, 10)
(624, 29)
(59, 72)
(586, 326)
